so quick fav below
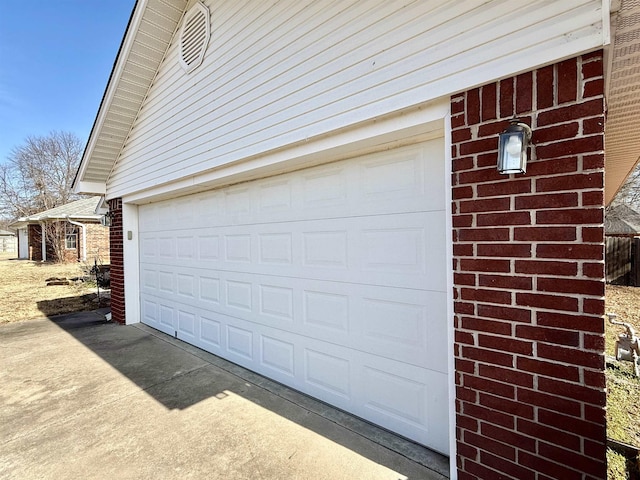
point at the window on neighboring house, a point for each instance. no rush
(71, 239)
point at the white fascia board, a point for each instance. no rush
(607, 58)
(20, 223)
(606, 22)
(67, 217)
(378, 134)
(102, 208)
(90, 188)
(105, 106)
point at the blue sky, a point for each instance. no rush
(55, 61)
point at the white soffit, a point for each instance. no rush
(148, 36)
(622, 128)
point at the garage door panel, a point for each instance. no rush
(394, 395)
(240, 342)
(239, 296)
(275, 248)
(413, 329)
(157, 314)
(149, 312)
(208, 245)
(185, 248)
(397, 323)
(331, 280)
(186, 285)
(276, 302)
(186, 324)
(386, 392)
(167, 247)
(327, 376)
(210, 333)
(276, 354)
(391, 391)
(358, 187)
(396, 250)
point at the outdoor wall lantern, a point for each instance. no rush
(512, 147)
(105, 220)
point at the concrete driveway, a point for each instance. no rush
(82, 398)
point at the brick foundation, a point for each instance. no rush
(528, 278)
(117, 261)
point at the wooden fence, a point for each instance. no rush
(623, 260)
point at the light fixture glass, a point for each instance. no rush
(105, 220)
(512, 148)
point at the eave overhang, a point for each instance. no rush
(622, 126)
(149, 32)
(154, 23)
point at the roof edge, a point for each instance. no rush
(107, 97)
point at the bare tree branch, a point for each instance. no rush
(38, 174)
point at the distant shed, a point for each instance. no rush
(8, 241)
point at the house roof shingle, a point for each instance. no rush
(79, 210)
(622, 220)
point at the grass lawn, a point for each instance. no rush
(623, 388)
(24, 294)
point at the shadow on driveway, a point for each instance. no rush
(260, 428)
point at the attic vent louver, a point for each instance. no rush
(194, 37)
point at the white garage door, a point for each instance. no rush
(330, 280)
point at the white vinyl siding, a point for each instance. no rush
(277, 74)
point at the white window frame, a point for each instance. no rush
(71, 232)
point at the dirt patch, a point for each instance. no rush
(24, 293)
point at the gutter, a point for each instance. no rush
(105, 99)
(43, 240)
(84, 237)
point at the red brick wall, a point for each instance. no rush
(97, 243)
(35, 243)
(70, 254)
(117, 262)
(528, 278)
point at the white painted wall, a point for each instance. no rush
(281, 74)
(23, 243)
(131, 259)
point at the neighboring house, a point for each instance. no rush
(8, 241)
(309, 189)
(622, 234)
(622, 221)
(82, 237)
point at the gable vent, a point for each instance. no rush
(194, 37)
